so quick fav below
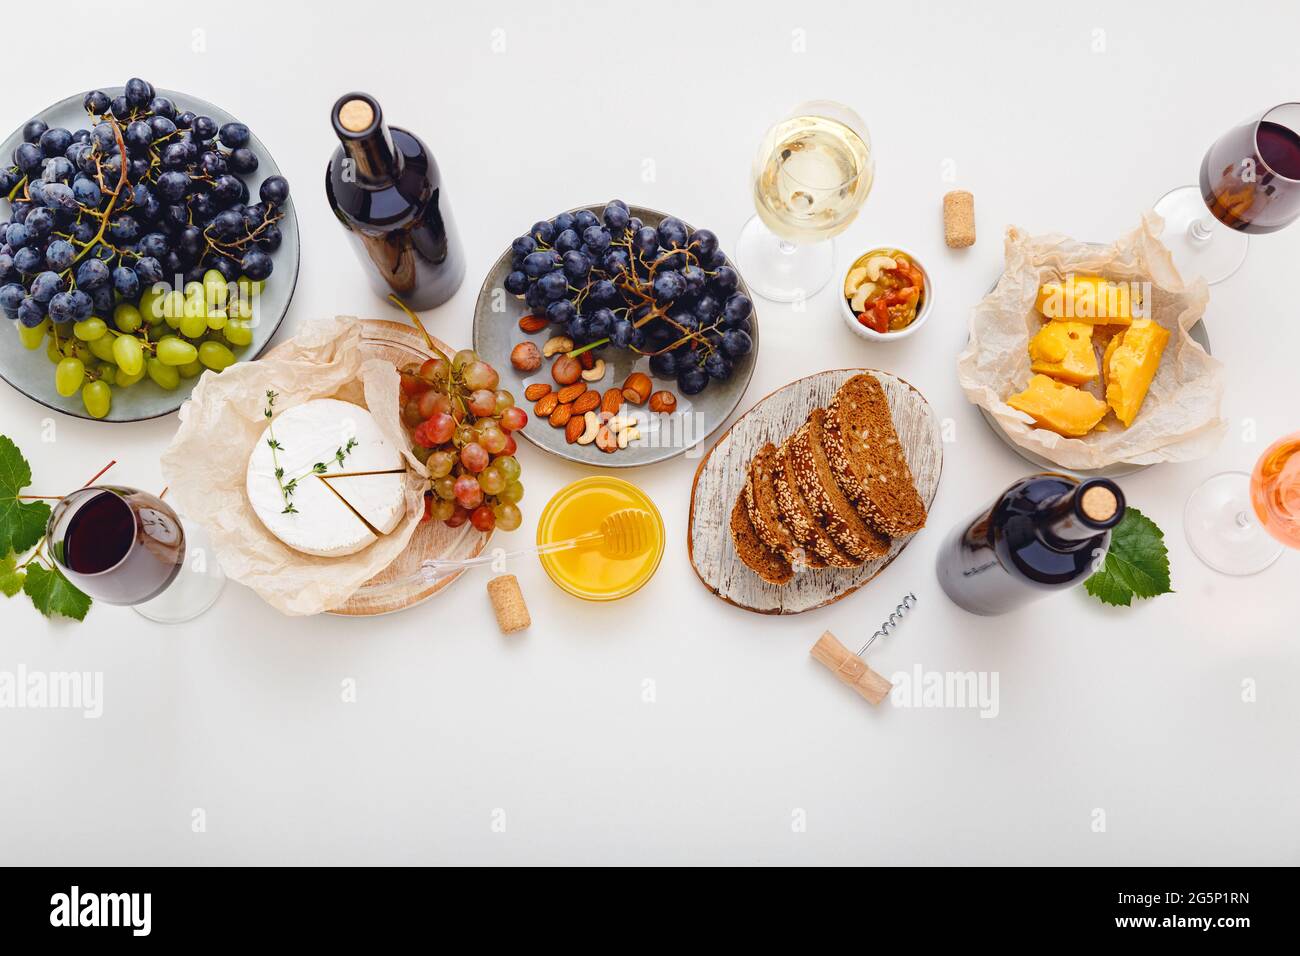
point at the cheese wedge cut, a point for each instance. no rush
(315, 439)
(378, 499)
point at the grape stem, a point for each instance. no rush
(428, 339)
(121, 182)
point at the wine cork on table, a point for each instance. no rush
(850, 669)
(508, 603)
(959, 219)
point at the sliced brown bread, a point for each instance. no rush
(817, 484)
(867, 458)
(765, 512)
(762, 560)
(799, 518)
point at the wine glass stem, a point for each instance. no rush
(786, 246)
(1199, 230)
(1243, 520)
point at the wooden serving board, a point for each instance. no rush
(402, 344)
(721, 477)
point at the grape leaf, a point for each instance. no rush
(52, 593)
(1136, 565)
(22, 523)
(11, 578)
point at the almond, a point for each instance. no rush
(586, 402)
(546, 404)
(566, 370)
(537, 390)
(612, 401)
(561, 415)
(576, 426)
(533, 323)
(571, 392)
(663, 401)
(606, 440)
(637, 388)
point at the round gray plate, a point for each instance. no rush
(1198, 334)
(496, 333)
(31, 372)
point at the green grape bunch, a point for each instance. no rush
(102, 218)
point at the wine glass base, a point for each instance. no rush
(195, 588)
(1214, 255)
(780, 270)
(1222, 529)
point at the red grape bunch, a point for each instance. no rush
(461, 426)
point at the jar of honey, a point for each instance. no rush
(586, 571)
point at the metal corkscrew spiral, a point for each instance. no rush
(891, 623)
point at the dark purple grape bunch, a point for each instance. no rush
(146, 193)
(662, 291)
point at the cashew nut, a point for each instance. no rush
(595, 373)
(629, 434)
(878, 264)
(556, 344)
(859, 301)
(589, 433)
(619, 423)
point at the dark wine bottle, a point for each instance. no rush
(384, 186)
(1044, 534)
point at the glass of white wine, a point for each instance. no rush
(812, 174)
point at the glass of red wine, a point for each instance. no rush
(1250, 183)
(124, 546)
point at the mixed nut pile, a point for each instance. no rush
(575, 402)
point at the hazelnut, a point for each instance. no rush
(526, 357)
(566, 370)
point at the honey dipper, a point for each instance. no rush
(625, 533)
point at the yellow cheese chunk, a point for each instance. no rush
(1131, 363)
(1058, 407)
(1090, 299)
(1064, 350)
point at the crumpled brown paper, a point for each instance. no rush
(1180, 419)
(206, 464)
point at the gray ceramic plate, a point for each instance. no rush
(496, 333)
(1198, 334)
(33, 375)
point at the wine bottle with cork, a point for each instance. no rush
(384, 186)
(1046, 533)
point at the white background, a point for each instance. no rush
(1137, 712)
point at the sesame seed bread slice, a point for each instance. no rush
(867, 458)
(762, 560)
(765, 513)
(817, 484)
(798, 517)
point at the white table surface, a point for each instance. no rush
(466, 746)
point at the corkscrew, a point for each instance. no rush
(890, 625)
(850, 668)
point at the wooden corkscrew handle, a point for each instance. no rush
(850, 669)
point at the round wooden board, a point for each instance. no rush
(401, 344)
(721, 477)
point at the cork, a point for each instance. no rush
(850, 669)
(959, 219)
(1099, 503)
(508, 603)
(356, 115)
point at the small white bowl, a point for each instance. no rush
(871, 335)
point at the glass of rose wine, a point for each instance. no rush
(1240, 524)
(811, 175)
(125, 546)
(1250, 183)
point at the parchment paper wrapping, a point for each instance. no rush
(1179, 420)
(206, 464)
